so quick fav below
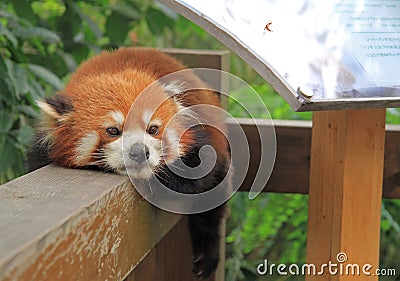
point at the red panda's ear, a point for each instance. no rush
(174, 88)
(55, 109)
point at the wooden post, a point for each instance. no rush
(213, 59)
(346, 191)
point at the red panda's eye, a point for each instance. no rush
(113, 131)
(153, 130)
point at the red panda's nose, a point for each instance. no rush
(139, 152)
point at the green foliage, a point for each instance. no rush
(276, 105)
(393, 116)
(260, 228)
(25, 76)
(390, 235)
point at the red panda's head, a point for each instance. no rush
(83, 125)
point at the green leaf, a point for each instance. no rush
(93, 26)
(7, 119)
(5, 89)
(7, 155)
(2, 140)
(23, 9)
(68, 26)
(7, 33)
(25, 135)
(67, 59)
(6, 15)
(36, 91)
(46, 75)
(385, 225)
(157, 21)
(125, 10)
(28, 111)
(80, 52)
(117, 28)
(18, 78)
(29, 32)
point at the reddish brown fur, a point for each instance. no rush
(112, 81)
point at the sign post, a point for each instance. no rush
(345, 193)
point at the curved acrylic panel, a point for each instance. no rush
(316, 54)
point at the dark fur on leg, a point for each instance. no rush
(204, 227)
(205, 235)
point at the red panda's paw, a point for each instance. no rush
(205, 264)
(205, 235)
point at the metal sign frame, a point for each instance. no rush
(298, 97)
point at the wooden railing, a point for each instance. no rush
(65, 224)
(292, 166)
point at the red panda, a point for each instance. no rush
(81, 127)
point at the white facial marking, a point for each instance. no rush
(147, 114)
(116, 150)
(113, 155)
(86, 146)
(156, 122)
(118, 117)
(173, 144)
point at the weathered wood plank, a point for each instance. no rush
(292, 165)
(170, 259)
(146, 269)
(345, 193)
(64, 224)
(291, 170)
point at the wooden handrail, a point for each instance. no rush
(292, 166)
(65, 224)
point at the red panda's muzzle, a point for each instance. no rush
(138, 153)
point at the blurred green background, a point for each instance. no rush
(42, 42)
